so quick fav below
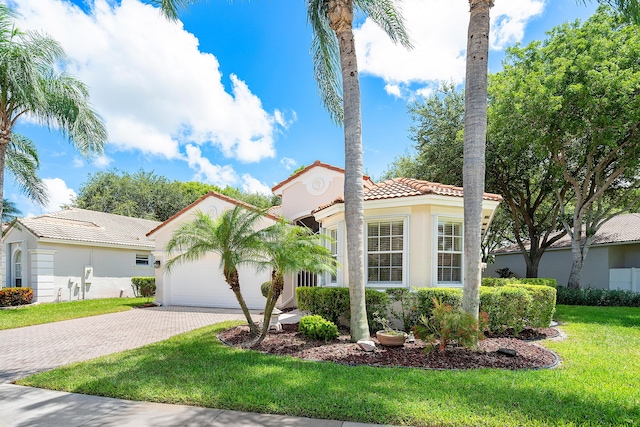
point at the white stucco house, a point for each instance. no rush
(413, 237)
(613, 260)
(76, 254)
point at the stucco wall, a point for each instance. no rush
(556, 264)
(201, 283)
(318, 186)
(55, 270)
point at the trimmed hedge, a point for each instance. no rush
(333, 303)
(10, 297)
(535, 311)
(496, 281)
(143, 286)
(318, 328)
(598, 297)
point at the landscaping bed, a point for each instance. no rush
(292, 343)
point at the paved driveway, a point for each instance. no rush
(31, 349)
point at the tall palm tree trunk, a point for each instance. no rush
(341, 20)
(5, 138)
(475, 134)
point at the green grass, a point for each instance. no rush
(54, 312)
(597, 383)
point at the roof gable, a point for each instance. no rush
(219, 196)
(316, 164)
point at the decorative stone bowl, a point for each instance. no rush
(391, 339)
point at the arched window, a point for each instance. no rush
(17, 269)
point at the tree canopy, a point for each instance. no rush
(148, 195)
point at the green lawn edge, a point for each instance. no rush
(38, 314)
(596, 383)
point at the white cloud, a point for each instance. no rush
(156, 91)
(102, 162)
(393, 89)
(207, 171)
(288, 163)
(252, 185)
(59, 194)
(78, 162)
(438, 31)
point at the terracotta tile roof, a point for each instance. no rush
(318, 163)
(218, 196)
(90, 226)
(275, 211)
(619, 229)
(407, 187)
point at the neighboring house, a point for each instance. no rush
(613, 260)
(413, 237)
(76, 254)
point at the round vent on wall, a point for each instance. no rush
(316, 185)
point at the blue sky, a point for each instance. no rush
(226, 95)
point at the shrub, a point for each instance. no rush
(506, 307)
(451, 324)
(143, 286)
(543, 305)
(265, 287)
(408, 313)
(497, 281)
(318, 328)
(330, 303)
(334, 303)
(425, 296)
(598, 297)
(505, 272)
(15, 296)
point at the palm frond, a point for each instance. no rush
(326, 59)
(171, 8)
(388, 15)
(21, 159)
(630, 9)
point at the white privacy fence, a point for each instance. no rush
(627, 279)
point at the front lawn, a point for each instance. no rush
(54, 312)
(597, 383)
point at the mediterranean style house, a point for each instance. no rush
(76, 254)
(413, 232)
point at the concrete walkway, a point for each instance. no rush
(32, 349)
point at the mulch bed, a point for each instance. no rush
(292, 343)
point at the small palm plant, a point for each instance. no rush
(234, 236)
(289, 249)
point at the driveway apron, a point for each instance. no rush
(24, 351)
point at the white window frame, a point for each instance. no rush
(148, 263)
(405, 251)
(332, 279)
(17, 272)
(436, 221)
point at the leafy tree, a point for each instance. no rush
(141, 195)
(333, 49)
(233, 236)
(289, 249)
(578, 95)
(32, 83)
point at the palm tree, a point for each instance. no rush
(475, 136)
(234, 236)
(290, 249)
(31, 84)
(334, 45)
(10, 211)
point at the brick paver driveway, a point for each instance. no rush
(24, 351)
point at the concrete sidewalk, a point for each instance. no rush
(33, 407)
